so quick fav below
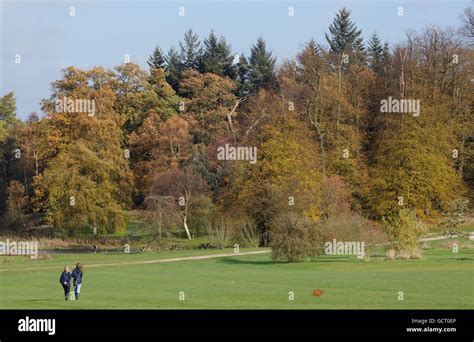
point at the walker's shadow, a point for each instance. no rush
(236, 261)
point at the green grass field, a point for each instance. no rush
(441, 280)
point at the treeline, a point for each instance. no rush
(326, 152)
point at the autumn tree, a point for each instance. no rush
(167, 101)
(158, 145)
(411, 173)
(184, 188)
(87, 181)
(210, 104)
(19, 164)
(24, 161)
(467, 28)
(139, 93)
(85, 190)
(160, 212)
(285, 177)
(413, 165)
(8, 145)
(8, 109)
(320, 99)
(17, 206)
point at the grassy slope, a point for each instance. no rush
(439, 280)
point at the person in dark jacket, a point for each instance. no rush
(77, 275)
(65, 281)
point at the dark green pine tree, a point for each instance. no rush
(374, 52)
(217, 57)
(359, 52)
(242, 76)
(173, 68)
(386, 56)
(209, 56)
(312, 45)
(343, 35)
(190, 50)
(227, 59)
(261, 66)
(385, 62)
(157, 59)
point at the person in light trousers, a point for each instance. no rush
(77, 275)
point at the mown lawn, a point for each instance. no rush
(440, 280)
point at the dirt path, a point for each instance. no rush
(144, 262)
(435, 238)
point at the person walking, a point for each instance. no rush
(65, 280)
(77, 275)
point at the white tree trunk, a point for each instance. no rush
(186, 228)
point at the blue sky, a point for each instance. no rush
(102, 32)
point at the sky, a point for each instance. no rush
(101, 32)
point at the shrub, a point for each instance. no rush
(391, 254)
(294, 238)
(249, 235)
(403, 230)
(201, 215)
(455, 216)
(221, 231)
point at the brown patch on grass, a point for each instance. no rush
(317, 293)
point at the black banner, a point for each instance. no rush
(417, 324)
